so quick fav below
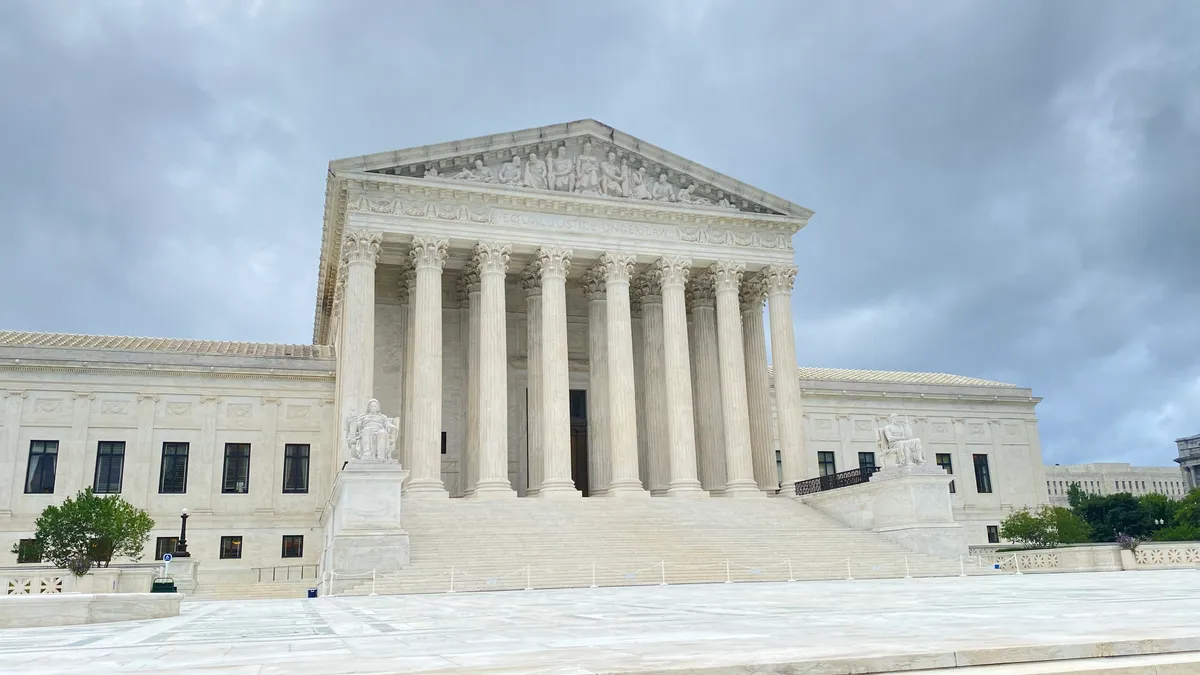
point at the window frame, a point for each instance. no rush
(948, 467)
(159, 550)
(983, 480)
(862, 466)
(993, 534)
(289, 460)
(232, 543)
(25, 547)
(283, 553)
(825, 457)
(162, 466)
(225, 476)
(41, 449)
(111, 446)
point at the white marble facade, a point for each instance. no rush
(471, 293)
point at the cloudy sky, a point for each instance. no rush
(1008, 190)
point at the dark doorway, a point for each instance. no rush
(579, 440)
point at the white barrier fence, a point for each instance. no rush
(528, 577)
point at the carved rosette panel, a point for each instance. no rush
(672, 271)
(592, 283)
(616, 267)
(752, 293)
(726, 275)
(701, 292)
(553, 261)
(429, 252)
(491, 257)
(779, 278)
(361, 246)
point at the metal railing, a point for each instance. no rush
(286, 573)
(836, 480)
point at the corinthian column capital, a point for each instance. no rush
(726, 275)
(553, 261)
(468, 281)
(492, 257)
(615, 266)
(752, 293)
(645, 288)
(361, 246)
(672, 270)
(700, 292)
(779, 278)
(592, 283)
(531, 281)
(429, 252)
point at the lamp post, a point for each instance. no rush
(1159, 522)
(181, 546)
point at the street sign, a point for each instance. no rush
(167, 557)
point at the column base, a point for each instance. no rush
(559, 490)
(690, 489)
(425, 488)
(532, 492)
(742, 491)
(496, 490)
(658, 492)
(631, 490)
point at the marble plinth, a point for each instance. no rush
(66, 609)
(364, 518)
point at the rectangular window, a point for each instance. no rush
(866, 462)
(236, 474)
(443, 442)
(43, 460)
(983, 477)
(110, 464)
(29, 551)
(165, 545)
(231, 547)
(946, 462)
(993, 534)
(293, 546)
(826, 463)
(295, 468)
(172, 473)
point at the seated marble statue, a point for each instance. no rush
(897, 441)
(371, 435)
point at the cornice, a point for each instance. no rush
(168, 371)
(809, 392)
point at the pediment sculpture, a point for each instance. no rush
(372, 435)
(898, 444)
(586, 173)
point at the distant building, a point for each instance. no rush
(1189, 459)
(1112, 478)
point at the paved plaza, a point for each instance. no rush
(885, 624)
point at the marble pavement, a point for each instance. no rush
(820, 627)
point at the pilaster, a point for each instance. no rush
(11, 479)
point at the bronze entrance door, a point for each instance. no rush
(579, 440)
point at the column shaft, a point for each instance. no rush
(654, 383)
(356, 359)
(639, 384)
(492, 260)
(622, 402)
(410, 283)
(425, 477)
(533, 370)
(779, 280)
(672, 275)
(739, 468)
(469, 467)
(553, 264)
(710, 433)
(598, 457)
(758, 386)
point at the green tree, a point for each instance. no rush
(1048, 527)
(90, 530)
(1076, 497)
(1159, 507)
(1110, 515)
(1187, 510)
(1178, 532)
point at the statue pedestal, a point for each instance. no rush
(909, 504)
(363, 518)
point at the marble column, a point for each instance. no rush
(672, 276)
(532, 284)
(553, 263)
(622, 401)
(639, 388)
(425, 474)
(469, 465)
(356, 367)
(654, 383)
(758, 385)
(779, 280)
(710, 428)
(735, 415)
(492, 261)
(598, 457)
(410, 289)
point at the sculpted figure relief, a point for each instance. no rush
(612, 177)
(662, 190)
(562, 172)
(637, 184)
(535, 173)
(897, 441)
(510, 172)
(587, 171)
(371, 435)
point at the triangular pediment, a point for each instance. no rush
(586, 158)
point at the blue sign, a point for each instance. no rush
(167, 557)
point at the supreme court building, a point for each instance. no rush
(548, 314)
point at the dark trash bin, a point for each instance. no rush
(163, 585)
(312, 592)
